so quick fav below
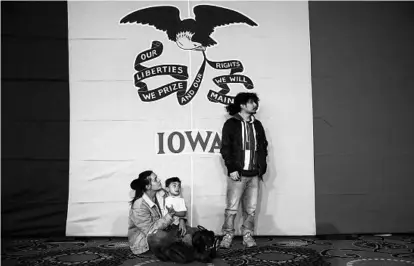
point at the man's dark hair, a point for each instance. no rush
(171, 180)
(241, 98)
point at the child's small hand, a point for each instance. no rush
(182, 227)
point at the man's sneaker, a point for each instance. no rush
(248, 240)
(226, 241)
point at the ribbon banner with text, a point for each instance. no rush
(180, 72)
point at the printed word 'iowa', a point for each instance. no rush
(188, 142)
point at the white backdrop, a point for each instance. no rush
(114, 135)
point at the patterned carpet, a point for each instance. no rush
(348, 251)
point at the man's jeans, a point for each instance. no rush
(245, 191)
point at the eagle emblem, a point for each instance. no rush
(188, 34)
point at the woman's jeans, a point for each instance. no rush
(246, 192)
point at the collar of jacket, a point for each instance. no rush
(148, 200)
(239, 117)
(161, 194)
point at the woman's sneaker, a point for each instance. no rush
(226, 241)
(248, 240)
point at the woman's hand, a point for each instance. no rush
(170, 210)
(182, 227)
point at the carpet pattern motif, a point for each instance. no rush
(349, 251)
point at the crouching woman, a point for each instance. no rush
(146, 222)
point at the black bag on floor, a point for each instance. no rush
(180, 252)
(205, 245)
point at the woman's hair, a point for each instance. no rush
(139, 185)
(241, 98)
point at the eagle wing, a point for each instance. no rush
(208, 17)
(165, 18)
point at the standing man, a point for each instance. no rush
(244, 150)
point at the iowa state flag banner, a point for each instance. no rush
(149, 82)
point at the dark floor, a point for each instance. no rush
(360, 250)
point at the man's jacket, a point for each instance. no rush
(231, 146)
